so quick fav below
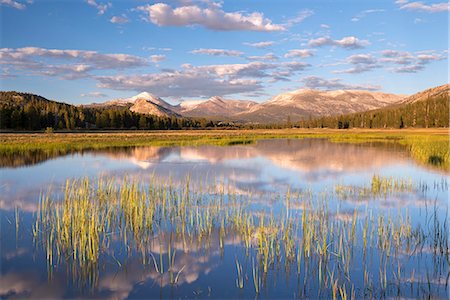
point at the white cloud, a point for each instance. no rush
(303, 53)
(13, 4)
(211, 17)
(204, 81)
(361, 63)
(367, 59)
(252, 69)
(408, 69)
(315, 82)
(101, 7)
(217, 52)
(410, 62)
(268, 56)
(94, 95)
(69, 64)
(325, 26)
(157, 58)
(364, 14)
(180, 84)
(260, 44)
(422, 7)
(301, 16)
(411, 59)
(155, 48)
(295, 66)
(348, 42)
(119, 20)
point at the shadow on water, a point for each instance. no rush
(435, 160)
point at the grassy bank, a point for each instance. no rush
(428, 146)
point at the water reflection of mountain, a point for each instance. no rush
(304, 155)
(283, 151)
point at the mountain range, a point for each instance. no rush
(22, 110)
(295, 105)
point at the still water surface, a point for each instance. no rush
(313, 172)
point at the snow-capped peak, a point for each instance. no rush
(144, 95)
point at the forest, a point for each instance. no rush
(21, 111)
(429, 113)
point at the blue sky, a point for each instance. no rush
(95, 50)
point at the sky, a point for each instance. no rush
(96, 50)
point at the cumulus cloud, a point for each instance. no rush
(211, 17)
(101, 7)
(406, 62)
(410, 62)
(295, 66)
(408, 69)
(268, 56)
(252, 69)
(119, 20)
(180, 84)
(361, 63)
(303, 53)
(157, 58)
(203, 81)
(94, 95)
(13, 4)
(217, 52)
(260, 44)
(195, 81)
(68, 64)
(315, 82)
(422, 7)
(348, 42)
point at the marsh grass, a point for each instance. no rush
(325, 249)
(429, 147)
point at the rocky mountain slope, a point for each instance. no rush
(304, 103)
(436, 92)
(296, 105)
(145, 106)
(215, 107)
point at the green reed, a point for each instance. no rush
(82, 224)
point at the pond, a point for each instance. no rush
(280, 218)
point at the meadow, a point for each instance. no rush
(427, 146)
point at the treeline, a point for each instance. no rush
(432, 112)
(21, 111)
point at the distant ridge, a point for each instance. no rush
(305, 103)
(296, 105)
(439, 91)
(304, 108)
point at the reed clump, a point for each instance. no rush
(160, 219)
